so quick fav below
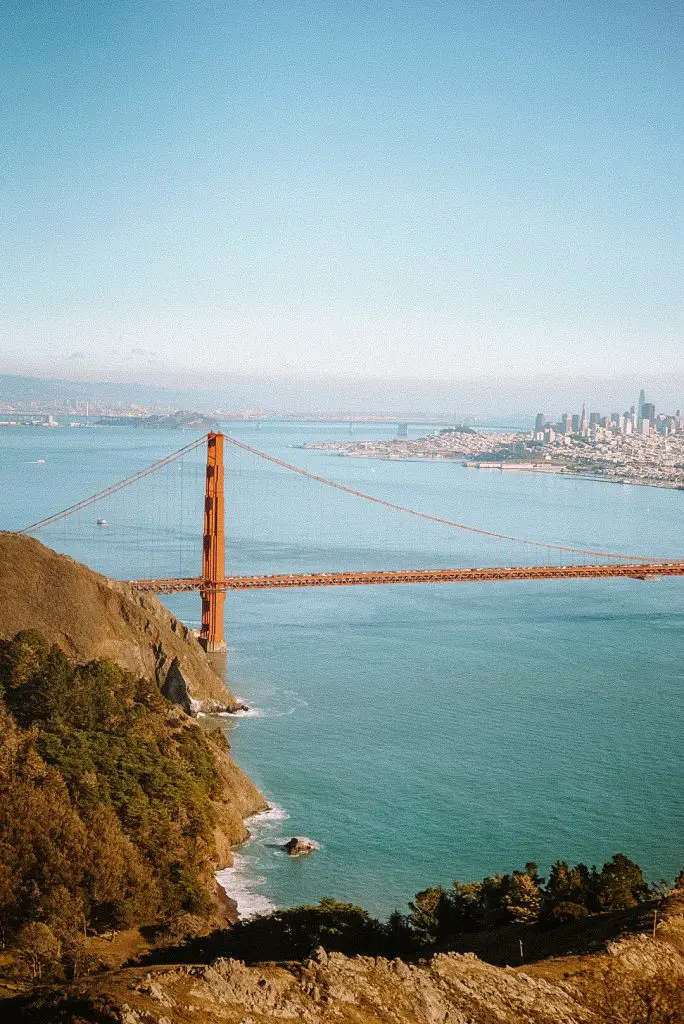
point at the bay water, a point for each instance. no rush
(417, 733)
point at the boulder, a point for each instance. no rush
(299, 845)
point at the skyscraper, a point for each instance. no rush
(584, 422)
(640, 407)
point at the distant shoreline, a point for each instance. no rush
(509, 468)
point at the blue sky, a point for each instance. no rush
(391, 189)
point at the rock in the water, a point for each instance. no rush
(299, 845)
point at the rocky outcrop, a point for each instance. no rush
(90, 617)
(639, 978)
(299, 845)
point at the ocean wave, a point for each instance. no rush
(242, 886)
(300, 700)
(257, 713)
(241, 882)
(270, 816)
(241, 713)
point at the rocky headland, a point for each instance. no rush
(90, 616)
(116, 808)
(92, 619)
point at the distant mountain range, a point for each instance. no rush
(15, 388)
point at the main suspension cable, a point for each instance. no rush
(140, 475)
(434, 519)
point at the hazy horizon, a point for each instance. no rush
(486, 398)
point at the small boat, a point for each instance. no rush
(102, 522)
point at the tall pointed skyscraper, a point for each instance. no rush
(640, 408)
(584, 421)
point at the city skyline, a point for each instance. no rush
(640, 418)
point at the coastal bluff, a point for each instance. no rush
(91, 617)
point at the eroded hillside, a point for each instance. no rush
(90, 617)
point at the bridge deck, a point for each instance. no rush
(636, 570)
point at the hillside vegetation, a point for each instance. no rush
(116, 807)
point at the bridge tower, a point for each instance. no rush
(213, 549)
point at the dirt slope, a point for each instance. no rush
(92, 617)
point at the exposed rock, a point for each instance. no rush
(299, 845)
(208, 706)
(638, 979)
(175, 687)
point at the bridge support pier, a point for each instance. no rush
(213, 549)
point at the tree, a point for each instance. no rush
(621, 884)
(564, 912)
(426, 912)
(401, 938)
(523, 901)
(295, 933)
(568, 885)
(465, 907)
(492, 892)
(21, 658)
(39, 948)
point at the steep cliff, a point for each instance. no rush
(90, 617)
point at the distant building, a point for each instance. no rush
(639, 410)
(566, 423)
(539, 421)
(648, 412)
(575, 424)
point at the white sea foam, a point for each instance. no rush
(240, 882)
(249, 713)
(265, 818)
(242, 886)
(256, 713)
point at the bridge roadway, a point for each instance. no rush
(635, 570)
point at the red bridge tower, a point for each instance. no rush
(213, 549)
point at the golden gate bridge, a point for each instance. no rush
(213, 582)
